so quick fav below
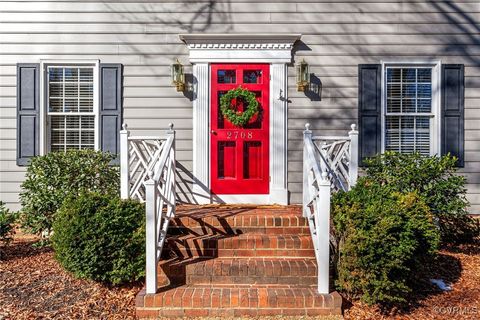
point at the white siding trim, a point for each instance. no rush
(436, 66)
(44, 138)
(201, 55)
(201, 136)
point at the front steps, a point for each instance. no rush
(232, 261)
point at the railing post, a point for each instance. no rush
(124, 171)
(353, 167)
(323, 234)
(174, 167)
(307, 135)
(151, 235)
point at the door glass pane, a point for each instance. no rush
(226, 160)
(226, 76)
(252, 76)
(220, 117)
(256, 121)
(252, 160)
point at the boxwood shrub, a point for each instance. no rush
(382, 238)
(7, 220)
(101, 237)
(435, 180)
(52, 178)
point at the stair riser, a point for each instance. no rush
(246, 220)
(244, 242)
(243, 253)
(264, 298)
(246, 280)
(175, 230)
(147, 313)
(214, 272)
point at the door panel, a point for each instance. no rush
(240, 155)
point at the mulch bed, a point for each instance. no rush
(457, 266)
(34, 286)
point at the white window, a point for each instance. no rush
(71, 107)
(410, 109)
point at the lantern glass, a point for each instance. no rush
(177, 73)
(304, 72)
(178, 77)
(302, 75)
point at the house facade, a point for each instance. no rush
(407, 73)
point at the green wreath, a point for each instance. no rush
(236, 117)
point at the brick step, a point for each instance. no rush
(197, 301)
(225, 221)
(221, 271)
(243, 245)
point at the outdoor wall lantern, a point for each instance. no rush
(302, 76)
(178, 77)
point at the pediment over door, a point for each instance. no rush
(224, 48)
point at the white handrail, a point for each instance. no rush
(332, 165)
(148, 173)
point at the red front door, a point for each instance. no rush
(239, 155)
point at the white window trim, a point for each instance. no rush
(436, 66)
(44, 64)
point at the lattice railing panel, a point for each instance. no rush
(148, 169)
(329, 163)
(143, 156)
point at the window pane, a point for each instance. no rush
(424, 75)
(408, 92)
(394, 75)
(252, 76)
(424, 90)
(55, 74)
(86, 74)
(56, 105)
(424, 105)
(407, 134)
(393, 105)
(71, 74)
(56, 90)
(408, 105)
(226, 76)
(394, 90)
(70, 92)
(409, 75)
(392, 133)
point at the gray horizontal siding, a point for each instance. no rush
(143, 36)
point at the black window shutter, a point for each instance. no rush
(452, 114)
(28, 112)
(110, 108)
(369, 110)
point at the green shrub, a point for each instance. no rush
(7, 219)
(436, 181)
(382, 236)
(53, 177)
(101, 237)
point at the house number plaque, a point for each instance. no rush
(241, 134)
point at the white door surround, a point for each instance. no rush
(274, 49)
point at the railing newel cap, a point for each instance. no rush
(170, 128)
(354, 129)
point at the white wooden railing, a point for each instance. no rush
(329, 164)
(147, 167)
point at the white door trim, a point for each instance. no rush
(275, 50)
